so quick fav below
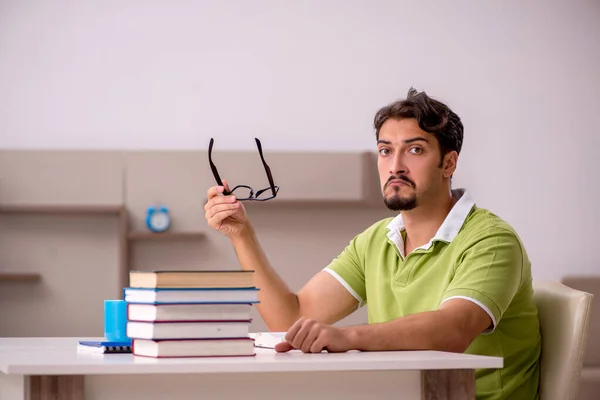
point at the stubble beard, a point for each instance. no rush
(396, 202)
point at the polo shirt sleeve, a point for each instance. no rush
(489, 273)
(349, 268)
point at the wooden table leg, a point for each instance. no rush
(449, 384)
(56, 387)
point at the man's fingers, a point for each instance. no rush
(310, 338)
(291, 333)
(220, 216)
(215, 210)
(283, 347)
(301, 335)
(214, 191)
(318, 345)
(305, 335)
(219, 200)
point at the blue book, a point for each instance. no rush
(104, 347)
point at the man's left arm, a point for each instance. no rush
(486, 279)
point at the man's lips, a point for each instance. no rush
(398, 182)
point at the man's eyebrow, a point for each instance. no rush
(416, 139)
(411, 140)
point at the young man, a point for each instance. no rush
(443, 274)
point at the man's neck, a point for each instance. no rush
(423, 222)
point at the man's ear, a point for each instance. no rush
(449, 163)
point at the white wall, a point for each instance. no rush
(309, 75)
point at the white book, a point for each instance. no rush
(189, 312)
(194, 348)
(158, 296)
(187, 330)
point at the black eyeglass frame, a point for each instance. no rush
(253, 197)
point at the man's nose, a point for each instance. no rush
(398, 166)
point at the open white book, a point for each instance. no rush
(267, 340)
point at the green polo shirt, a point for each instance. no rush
(476, 256)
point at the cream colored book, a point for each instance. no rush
(191, 279)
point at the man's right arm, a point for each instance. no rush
(323, 298)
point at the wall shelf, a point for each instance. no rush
(126, 235)
(109, 210)
(19, 277)
(59, 209)
(166, 235)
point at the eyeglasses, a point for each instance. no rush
(244, 192)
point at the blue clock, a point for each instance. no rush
(158, 219)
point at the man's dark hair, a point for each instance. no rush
(431, 115)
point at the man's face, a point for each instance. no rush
(410, 165)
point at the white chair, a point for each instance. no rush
(589, 387)
(564, 315)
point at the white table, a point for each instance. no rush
(52, 369)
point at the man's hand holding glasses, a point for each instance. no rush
(224, 209)
(225, 213)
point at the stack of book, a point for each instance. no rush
(190, 313)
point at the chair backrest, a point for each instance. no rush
(564, 315)
(590, 284)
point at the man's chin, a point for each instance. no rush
(397, 203)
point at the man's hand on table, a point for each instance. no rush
(311, 336)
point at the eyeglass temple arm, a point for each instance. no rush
(267, 169)
(214, 168)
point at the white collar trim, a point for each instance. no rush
(446, 232)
